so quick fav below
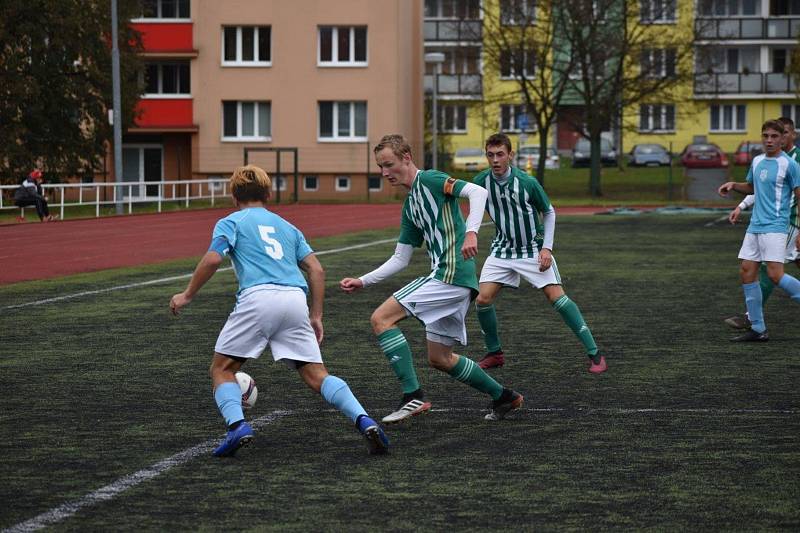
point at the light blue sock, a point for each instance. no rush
(752, 299)
(791, 285)
(338, 394)
(229, 400)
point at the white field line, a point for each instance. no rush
(173, 278)
(122, 484)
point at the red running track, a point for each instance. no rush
(41, 251)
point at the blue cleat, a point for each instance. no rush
(236, 438)
(377, 441)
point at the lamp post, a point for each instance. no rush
(436, 59)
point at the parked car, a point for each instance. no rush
(473, 159)
(649, 155)
(530, 154)
(703, 156)
(746, 152)
(582, 155)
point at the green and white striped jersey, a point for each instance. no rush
(794, 153)
(515, 208)
(431, 214)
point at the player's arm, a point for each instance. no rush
(316, 287)
(206, 268)
(546, 253)
(477, 196)
(399, 260)
(744, 188)
(746, 203)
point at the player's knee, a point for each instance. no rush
(438, 363)
(484, 299)
(379, 323)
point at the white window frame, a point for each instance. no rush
(647, 10)
(167, 96)
(734, 118)
(276, 180)
(525, 6)
(336, 183)
(335, 129)
(513, 74)
(160, 19)
(239, 62)
(380, 183)
(517, 109)
(239, 136)
(660, 109)
(335, 61)
(652, 54)
(456, 109)
(794, 111)
(140, 148)
(316, 182)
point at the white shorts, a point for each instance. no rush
(273, 315)
(440, 306)
(764, 247)
(508, 272)
(792, 253)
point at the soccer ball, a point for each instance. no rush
(249, 390)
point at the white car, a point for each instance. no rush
(530, 154)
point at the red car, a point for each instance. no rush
(704, 156)
(746, 152)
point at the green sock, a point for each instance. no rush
(766, 284)
(487, 318)
(572, 316)
(466, 371)
(397, 351)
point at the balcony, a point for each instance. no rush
(465, 85)
(168, 115)
(453, 30)
(756, 83)
(746, 28)
(173, 39)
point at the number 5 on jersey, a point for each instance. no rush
(273, 247)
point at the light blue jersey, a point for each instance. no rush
(263, 247)
(774, 180)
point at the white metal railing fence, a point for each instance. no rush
(136, 192)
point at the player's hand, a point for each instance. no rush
(545, 259)
(350, 285)
(725, 188)
(179, 300)
(316, 325)
(733, 217)
(470, 247)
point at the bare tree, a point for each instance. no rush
(614, 60)
(519, 43)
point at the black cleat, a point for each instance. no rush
(752, 335)
(509, 401)
(738, 322)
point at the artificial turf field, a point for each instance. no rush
(685, 431)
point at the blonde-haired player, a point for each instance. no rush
(268, 254)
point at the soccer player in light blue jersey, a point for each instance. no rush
(773, 178)
(268, 255)
(792, 252)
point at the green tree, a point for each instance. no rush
(617, 60)
(520, 38)
(55, 83)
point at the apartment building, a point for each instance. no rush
(315, 79)
(742, 48)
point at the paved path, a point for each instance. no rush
(34, 251)
(704, 182)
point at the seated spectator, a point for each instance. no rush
(30, 193)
